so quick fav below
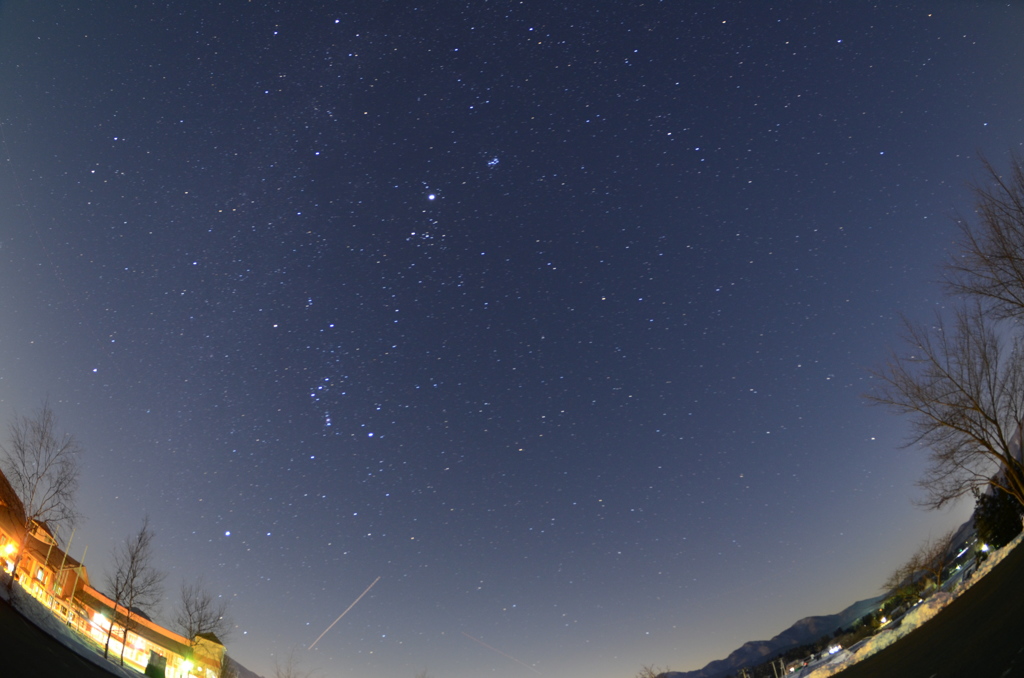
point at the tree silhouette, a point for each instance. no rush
(42, 468)
(134, 583)
(962, 387)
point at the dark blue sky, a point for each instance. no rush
(555, 318)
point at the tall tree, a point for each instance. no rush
(42, 467)
(134, 583)
(962, 387)
(989, 263)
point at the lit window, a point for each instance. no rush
(39, 574)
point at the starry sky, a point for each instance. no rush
(557, 318)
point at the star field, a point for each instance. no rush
(555, 318)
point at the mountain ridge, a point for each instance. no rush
(802, 632)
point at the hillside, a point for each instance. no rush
(807, 630)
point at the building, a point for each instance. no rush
(147, 640)
(50, 575)
(61, 583)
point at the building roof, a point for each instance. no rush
(212, 637)
(50, 554)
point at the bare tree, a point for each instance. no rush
(649, 671)
(963, 390)
(292, 667)
(936, 555)
(925, 566)
(42, 468)
(201, 613)
(135, 582)
(904, 581)
(989, 265)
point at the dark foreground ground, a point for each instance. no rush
(27, 652)
(980, 634)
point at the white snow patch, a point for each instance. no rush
(883, 639)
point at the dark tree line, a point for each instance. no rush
(997, 518)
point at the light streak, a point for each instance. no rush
(343, 613)
(507, 656)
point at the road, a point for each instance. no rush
(977, 635)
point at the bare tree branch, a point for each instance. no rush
(990, 263)
(135, 582)
(936, 555)
(292, 667)
(926, 565)
(42, 468)
(963, 389)
(200, 612)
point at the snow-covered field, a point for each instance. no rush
(915, 618)
(37, 613)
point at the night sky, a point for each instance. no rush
(555, 317)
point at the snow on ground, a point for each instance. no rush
(884, 638)
(38, 614)
(913, 619)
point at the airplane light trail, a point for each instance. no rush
(508, 656)
(343, 613)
